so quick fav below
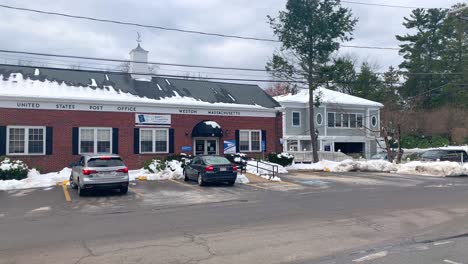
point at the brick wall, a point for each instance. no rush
(63, 122)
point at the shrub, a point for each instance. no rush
(284, 159)
(237, 158)
(416, 141)
(183, 158)
(13, 170)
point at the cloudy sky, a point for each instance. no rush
(26, 31)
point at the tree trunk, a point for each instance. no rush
(313, 136)
(387, 144)
(399, 144)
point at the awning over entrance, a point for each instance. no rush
(207, 129)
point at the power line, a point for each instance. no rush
(182, 65)
(126, 61)
(168, 28)
(393, 6)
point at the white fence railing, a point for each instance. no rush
(306, 156)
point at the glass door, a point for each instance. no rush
(199, 146)
(206, 146)
(211, 146)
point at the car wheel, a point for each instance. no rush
(123, 190)
(186, 178)
(81, 192)
(200, 180)
(72, 184)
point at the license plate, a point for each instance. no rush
(222, 169)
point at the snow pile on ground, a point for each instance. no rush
(264, 169)
(242, 179)
(443, 168)
(172, 170)
(36, 180)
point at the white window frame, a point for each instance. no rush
(26, 141)
(95, 140)
(316, 119)
(374, 117)
(154, 140)
(250, 139)
(342, 119)
(292, 119)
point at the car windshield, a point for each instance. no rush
(434, 153)
(105, 162)
(215, 160)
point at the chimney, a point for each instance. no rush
(139, 63)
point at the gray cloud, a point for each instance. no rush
(377, 26)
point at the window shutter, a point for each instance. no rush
(75, 134)
(3, 140)
(136, 140)
(171, 140)
(264, 141)
(115, 141)
(49, 138)
(237, 141)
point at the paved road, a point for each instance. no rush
(310, 218)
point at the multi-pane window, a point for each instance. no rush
(331, 119)
(244, 140)
(250, 140)
(345, 120)
(154, 140)
(26, 140)
(337, 120)
(95, 140)
(296, 119)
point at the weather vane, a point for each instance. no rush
(138, 38)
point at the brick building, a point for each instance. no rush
(48, 117)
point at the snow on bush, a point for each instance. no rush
(36, 180)
(284, 159)
(159, 170)
(13, 170)
(444, 168)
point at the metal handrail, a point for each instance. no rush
(272, 170)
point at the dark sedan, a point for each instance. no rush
(210, 168)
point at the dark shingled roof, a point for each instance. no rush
(207, 91)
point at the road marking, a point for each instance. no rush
(65, 192)
(451, 262)
(442, 243)
(256, 186)
(185, 184)
(138, 193)
(380, 254)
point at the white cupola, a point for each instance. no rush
(139, 63)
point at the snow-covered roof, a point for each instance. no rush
(45, 83)
(327, 96)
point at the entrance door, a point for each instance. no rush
(206, 146)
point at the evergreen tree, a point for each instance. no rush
(310, 31)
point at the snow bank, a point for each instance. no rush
(36, 180)
(173, 170)
(443, 168)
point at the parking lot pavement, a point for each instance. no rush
(347, 180)
(29, 203)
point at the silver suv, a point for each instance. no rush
(99, 172)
